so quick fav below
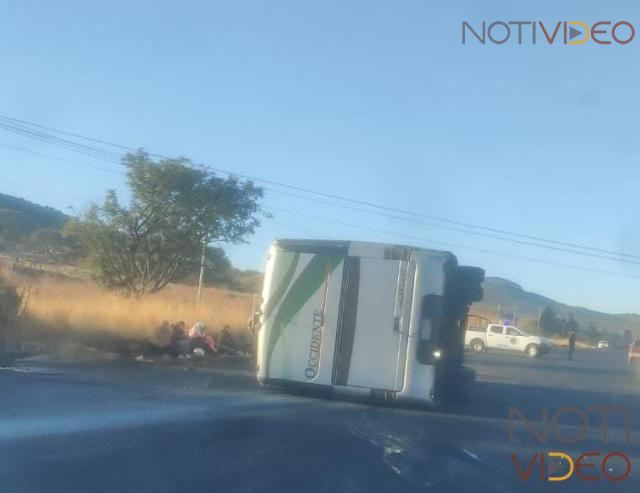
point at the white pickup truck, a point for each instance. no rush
(506, 337)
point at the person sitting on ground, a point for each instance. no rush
(156, 345)
(178, 331)
(179, 339)
(225, 341)
(199, 338)
(227, 344)
(160, 341)
(163, 333)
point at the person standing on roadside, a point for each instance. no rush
(572, 344)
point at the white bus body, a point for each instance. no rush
(363, 318)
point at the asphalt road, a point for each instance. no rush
(143, 427)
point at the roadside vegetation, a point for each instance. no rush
(58, 303)
(118, 270)
(122, 268)
(12, 306)
(63, 310)
(176, 212)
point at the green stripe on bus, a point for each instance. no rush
(303, 288)
(288, 266)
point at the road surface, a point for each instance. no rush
(146, 427)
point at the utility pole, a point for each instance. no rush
(201, 280)
(498, 319)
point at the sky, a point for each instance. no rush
(372, 100)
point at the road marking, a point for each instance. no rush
(16, 370)
(471, 454)
(31, 370)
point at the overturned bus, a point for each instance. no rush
(364, 319)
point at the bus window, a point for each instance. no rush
(430, 328)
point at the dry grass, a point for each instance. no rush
(62, 303)
(564, 342)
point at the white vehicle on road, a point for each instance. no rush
(365, 319)
(506, 337)
(603, 344)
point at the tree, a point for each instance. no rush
(217, 267)
(548, 321)
(175, 210)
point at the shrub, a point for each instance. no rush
(10, 302)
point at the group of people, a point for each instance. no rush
(174, 340)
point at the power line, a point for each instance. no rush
(15, 124)
(111, 157)
(455, 245)
(460, 230)
(366, 211)
(358, 226)
(63, 132)
(395, 217)
(427, 216)
(296, 229)
(64, 161)
(64, 143)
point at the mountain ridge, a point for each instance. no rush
(514, 300)
(20, 217)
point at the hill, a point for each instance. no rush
(514, 301)
(19, 218)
